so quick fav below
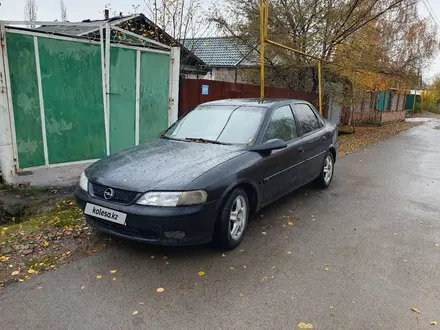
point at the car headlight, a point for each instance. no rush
(173, 198)
(84, 182)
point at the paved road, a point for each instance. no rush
(366, 246)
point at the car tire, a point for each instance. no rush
(226, 236)
(326, 176)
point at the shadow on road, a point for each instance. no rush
(275, 215)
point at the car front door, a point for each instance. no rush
(282, 167)
(314, 143)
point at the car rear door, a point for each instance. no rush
(314, 140)
(282, 167)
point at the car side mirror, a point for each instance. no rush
(269, 146)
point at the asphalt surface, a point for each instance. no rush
(363, 254)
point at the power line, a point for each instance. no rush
(431, 13)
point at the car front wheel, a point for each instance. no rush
(326, 176)
(233, 220)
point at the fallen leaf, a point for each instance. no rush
(241, 251)
(113, 271)
(273, 267)
(303, 325)
(201, 273)
(99, 276)
(4, 258)
(244, 266)
(31, 271)
(141, 303)
(231, 268)
(114, 278)
(265, 277)
(434, 323)
(223, 255)
(83, 287)
(415, 310)
(289, 252)
(263, 233)
(241, 295)
(332, 307)
(160, 290)
(290, 223)
(46, 244)
(326, 268)
(135, 313)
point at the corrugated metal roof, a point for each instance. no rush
(68, 30)
(77, 30)
(220, 51)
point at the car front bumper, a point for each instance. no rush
(170, 226)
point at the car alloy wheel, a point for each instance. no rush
(328, 169)
(238, 217)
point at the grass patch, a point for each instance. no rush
(45, 241)
(65, 214)
(24, 192)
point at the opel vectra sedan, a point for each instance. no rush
(202, 177)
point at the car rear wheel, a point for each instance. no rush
(233, 220)
(326, 176)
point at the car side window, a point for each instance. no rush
(281, 125)
(307, 118)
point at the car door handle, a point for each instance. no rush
(300, 150)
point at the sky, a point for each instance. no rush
(78, 10)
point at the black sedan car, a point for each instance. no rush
(203, 176)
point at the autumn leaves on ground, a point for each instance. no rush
(44, 240)
(364, 136)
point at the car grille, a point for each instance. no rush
(119, 195)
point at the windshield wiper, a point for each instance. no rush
(206, 141)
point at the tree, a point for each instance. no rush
(63, 11)
(373, 35)
(30, 12)
(181, 19)
(431, 96)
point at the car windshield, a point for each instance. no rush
(221, 124)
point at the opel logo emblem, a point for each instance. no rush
(108, 193)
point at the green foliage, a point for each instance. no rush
(431, 97)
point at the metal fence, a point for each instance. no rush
(196, 91)
(66, 100)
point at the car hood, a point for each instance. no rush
(160, 165)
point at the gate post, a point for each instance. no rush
(6, 147)
(173, 99)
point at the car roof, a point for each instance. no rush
(267, 103)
